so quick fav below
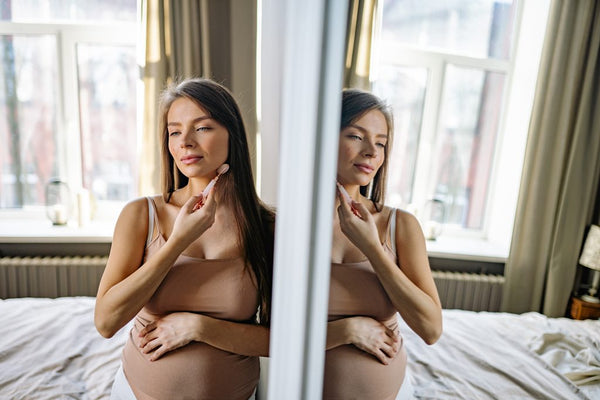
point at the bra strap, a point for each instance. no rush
(151, 214)
(393, 230)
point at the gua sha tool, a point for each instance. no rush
(347, 197)
(220, 171)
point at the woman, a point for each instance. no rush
(379, 265)
(194, 271)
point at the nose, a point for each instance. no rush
(186, 139)
(369, 149)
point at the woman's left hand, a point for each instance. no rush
(358, 226)
(169, 333)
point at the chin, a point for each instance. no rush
(353, 182)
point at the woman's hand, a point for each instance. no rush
(170, 332)
(190, 222)
(357, 224)
(374, 338)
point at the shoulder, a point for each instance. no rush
(135, 207)
(406, 222)
(134, 216)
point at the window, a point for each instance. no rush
(68, 100)
(446, 68)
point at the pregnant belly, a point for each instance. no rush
(351, 373)
(194, 371)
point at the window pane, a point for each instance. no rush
(68, 10)
(27, 118)
(476, 28)
(471, 106)
(404, 89)
(107, 102)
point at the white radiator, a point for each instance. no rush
(50, 276)
(468, 291)
(80, 276)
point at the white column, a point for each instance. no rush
(308, 48)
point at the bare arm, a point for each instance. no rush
(127, 284)
(178, 329)
(410, 288)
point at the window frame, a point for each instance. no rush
(67, 36)
(493, 239)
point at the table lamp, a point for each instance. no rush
(590, 258)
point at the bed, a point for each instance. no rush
(483, 355)
(49, 349)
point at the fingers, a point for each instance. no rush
(359, 210)
(382, 357)
(158, 353)
(191, 204)
(151, 343)
(199, 203)
(376, 339)
(147, 329)
(210, 203)
(148, 344)
(344, 207)
(390, 352)
(385, 353)
(348, 206)
(392, 334)
(204, 201)
(343, 199)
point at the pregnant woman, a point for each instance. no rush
(193, 265)
(379, 265)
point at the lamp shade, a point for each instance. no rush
(590, 256)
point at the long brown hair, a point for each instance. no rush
(255, 221)
(356, 103)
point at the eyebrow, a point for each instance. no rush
(364, 130)
(202, 118)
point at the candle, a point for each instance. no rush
(59, 214)
(432, 230)
(83, 207)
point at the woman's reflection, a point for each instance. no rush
(379, 265)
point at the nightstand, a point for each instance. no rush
(583, 310)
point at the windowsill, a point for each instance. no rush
(36, 231)
(475, 249)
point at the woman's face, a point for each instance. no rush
(362, 149)
(197, 143)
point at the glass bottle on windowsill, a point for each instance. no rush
(434, 215)
(58, 201)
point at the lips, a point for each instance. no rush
(191, 159)
(366, 168)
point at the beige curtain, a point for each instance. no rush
(195, 38)
(562, 164)
(175, 46)
(359, 37)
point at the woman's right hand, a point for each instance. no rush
(189, 223)
(373, 337)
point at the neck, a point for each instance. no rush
(195, 186)
(353, 191)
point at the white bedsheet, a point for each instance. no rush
(49, 349)
(507, 356)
